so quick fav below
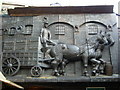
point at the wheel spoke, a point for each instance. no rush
(35, 68)
(33, 71)
(6, 71)
(14, 62)
(14, 68)
(5, 63)
(37, 73)
(15, 65)
(10, 60)
(11, 69)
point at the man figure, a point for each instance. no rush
(45, 34)
(45, 37)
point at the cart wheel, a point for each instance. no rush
(36, 71)
(10, 66)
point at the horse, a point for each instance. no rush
(64, 53)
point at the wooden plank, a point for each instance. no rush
(3, 79)
(31, 11)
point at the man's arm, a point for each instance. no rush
(49, 35)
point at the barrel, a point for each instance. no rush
(108, 69)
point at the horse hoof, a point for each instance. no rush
(102, 72)
(56, 74)
(97, 74)
(85, 74)
(63, 74)
(94, 73)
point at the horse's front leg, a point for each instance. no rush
(62, 67)
(95, 71)
(55, 64)
(102, 65)
(85, 61)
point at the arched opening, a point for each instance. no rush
(28, 29)
(100, 23)
(62, 32)
(12, 31)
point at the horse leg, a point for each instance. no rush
(85, 61)
(55, 68)
(96, 68)
(56, 52)
(102, 65)
(62, 67)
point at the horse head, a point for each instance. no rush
(110, 40)
(105, 38)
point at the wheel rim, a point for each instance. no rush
(10, 66)
(36, 71)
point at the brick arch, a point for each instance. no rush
(97, 22)
(61, 23)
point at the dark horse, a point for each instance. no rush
(91, 52)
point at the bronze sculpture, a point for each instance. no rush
(91, 53)
(62, 53)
